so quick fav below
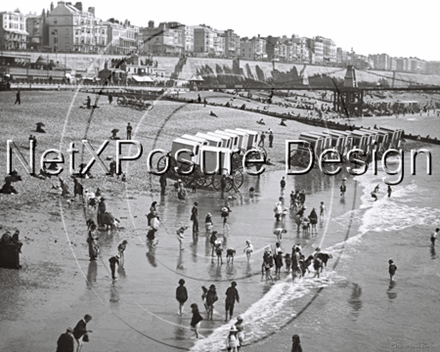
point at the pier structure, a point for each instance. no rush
(350, 98)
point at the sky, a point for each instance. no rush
(397, 28)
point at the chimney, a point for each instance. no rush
(151, 24)
(68, 3)
(51, 6)
(79, 6)
(92, 11)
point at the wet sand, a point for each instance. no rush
(58, 284)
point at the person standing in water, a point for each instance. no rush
(196, 319)
(296, 344)
(113, 261)
(434, 236)
(208, 224)
(231, 297)
(343, 189)
(248, 250)
(121, 249)
(389, 190)
(239, 326)
(321, 211)
(195, 219)
(181, 295)
(282, 184)
(392, 269)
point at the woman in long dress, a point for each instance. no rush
(101, 211)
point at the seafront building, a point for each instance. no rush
(232, 43)
(204, 41)
(122, 38)
(73, 29)
(253, 49)
(166, 39)
(189, 39)
(13, 34)
(36, 26)
(70, 28)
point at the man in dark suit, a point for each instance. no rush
(81, 331)
(65, 342)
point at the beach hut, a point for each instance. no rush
(360, 140)
(326, 139)
(313, 141)
(216, 159)
(235, 139)
(226, 140)
(200, 140)
(192, 146)
(348, 141)
(253, 138)
(213, 141)
(395, 136)
(243, 145)
(380, 139)
(338, 140)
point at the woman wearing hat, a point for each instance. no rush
(232, 343)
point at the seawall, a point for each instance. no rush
(223, 71)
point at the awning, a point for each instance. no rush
(195, 78)
(16, 31)
(142, 78)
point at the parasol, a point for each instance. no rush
(115, 130)
(40, 124)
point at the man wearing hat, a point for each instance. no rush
(231, 297)
(65, 342)
(113, 261)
